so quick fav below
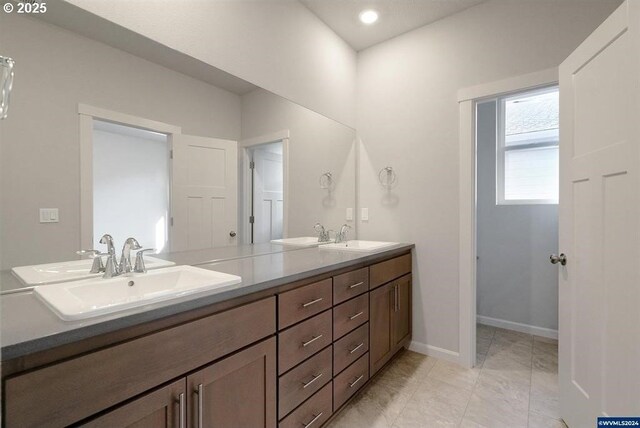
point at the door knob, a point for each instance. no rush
(232, 234)
(555, 259)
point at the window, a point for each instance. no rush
(527, 150)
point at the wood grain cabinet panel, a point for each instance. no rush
(238, 391)
(301, 341)
(312, 413)
(350, 284)
(390, 324)
(162, 408)
(386, 271)
(304, 302)
(350, 381)
(303, 381)
(350, 315)
(350, 348)
(75, 389)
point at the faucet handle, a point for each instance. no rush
(90, 253)
(139, 265)
(96, 255)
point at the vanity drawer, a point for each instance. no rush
(350, 348)
(66, 392)
(350, 381)
(304, 302)
(386, 271)
(301, 341)
(303, 381)
(313, 413)
(350, 285)
(350, 315)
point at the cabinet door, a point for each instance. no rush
(162, 408)
(401, 315)
(236, 392)
(381, 304)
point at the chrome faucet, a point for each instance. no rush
(125, 258)
(342, 235)
(114, 268)
(323, 235)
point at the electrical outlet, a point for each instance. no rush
(364, 215)
(49, 215)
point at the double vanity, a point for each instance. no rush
(287, 344)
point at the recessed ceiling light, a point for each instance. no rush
(368, 16)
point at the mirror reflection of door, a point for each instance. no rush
(204, 193)
(267, 192)
(130, 184)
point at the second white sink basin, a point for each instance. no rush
(304, 241)
(52, 273)
(89, 298)
(359, 246)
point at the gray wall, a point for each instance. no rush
(56, 70)
(516, 282)
(407, 117)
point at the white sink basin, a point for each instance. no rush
(304, 241)
(359, 246)
(52, 273)
(89, 298)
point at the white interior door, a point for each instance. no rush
(204, 193)
(268, 202)
(599, 223)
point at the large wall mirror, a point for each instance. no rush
(176, 153)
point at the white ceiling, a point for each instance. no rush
(396, 17)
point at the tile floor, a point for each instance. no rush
(514, 385)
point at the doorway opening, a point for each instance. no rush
(131, 184)
(266, 192)
(517, 182)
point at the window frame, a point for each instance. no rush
(502, 148)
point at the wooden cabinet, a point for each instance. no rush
(238, 391)
(390, 320)
(295, 354)
(163, 408)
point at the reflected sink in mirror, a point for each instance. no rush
(52, 273)
(90, 298)
(358, 246)
(304, 241)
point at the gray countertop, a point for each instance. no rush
(28, 326)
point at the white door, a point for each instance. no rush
(267, 196)
(204, 193)
(600, 223)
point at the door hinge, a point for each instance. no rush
(252, 219)
(252, 165)
(171, 221)
(170, 154)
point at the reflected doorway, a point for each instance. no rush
(266, 217)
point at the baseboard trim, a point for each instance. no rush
(434, 351)
(516, 326)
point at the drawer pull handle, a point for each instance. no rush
(357, 284)
(352, 317)
(351, 351)
(315, 418)
(315, 378)
(352, 384)
(309, 342)
(313, 302)
(182, 413)
(200, 392)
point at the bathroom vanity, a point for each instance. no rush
(287, 347)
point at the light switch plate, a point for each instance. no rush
(365, 214)
(349, 214)
(49, 215)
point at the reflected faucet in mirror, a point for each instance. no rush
(323, 235)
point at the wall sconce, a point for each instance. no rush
(326, 181)
(6, 82)
(387, 177)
